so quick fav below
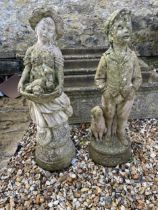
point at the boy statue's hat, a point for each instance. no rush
(43, 12)
(115, 15)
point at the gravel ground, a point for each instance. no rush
(85, 185)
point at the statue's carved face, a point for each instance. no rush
(121, 31)
(45, 30)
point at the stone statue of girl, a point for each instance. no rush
(42, 83)
(118, 77)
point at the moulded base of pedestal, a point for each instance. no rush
(53, 159)
(109, 153)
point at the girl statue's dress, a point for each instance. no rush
(54, 112)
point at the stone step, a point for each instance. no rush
(79, 80)
(79, 71)
(82, 51)
(85, 56)
(81, 63)
(90, 71)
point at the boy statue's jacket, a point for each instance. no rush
(116, 72)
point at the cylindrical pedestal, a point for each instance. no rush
(57, 154)
(109, 153)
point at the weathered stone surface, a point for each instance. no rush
(14, 120)
(83, 21)
(109, 154)
(58, 154)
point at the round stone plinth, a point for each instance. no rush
(52, 159)
(109, 153)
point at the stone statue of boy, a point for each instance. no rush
(118, 75)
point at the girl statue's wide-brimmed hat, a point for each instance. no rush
(43, 12)
(116, 15)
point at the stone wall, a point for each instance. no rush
(83, 23)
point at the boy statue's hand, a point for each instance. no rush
(128, 92)
(131, 94)
(101, 85)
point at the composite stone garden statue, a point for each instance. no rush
(118, 77)
(42, 84)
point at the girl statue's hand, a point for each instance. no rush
(59, 88)
(20, 86)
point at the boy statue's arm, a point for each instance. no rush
(137, 77)
(100, 76)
